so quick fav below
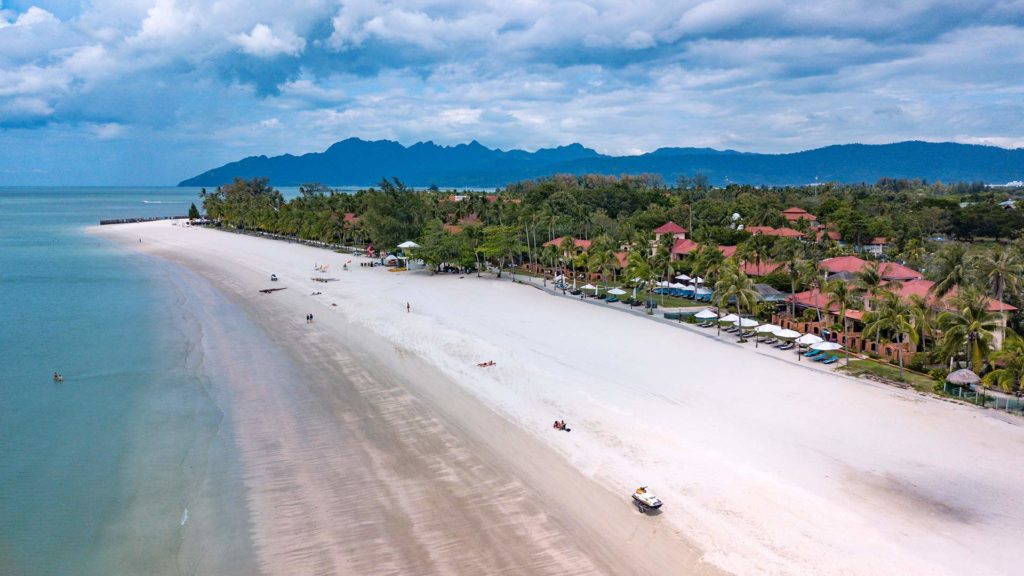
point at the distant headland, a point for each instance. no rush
(359, 162)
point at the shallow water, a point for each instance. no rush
(97, 472)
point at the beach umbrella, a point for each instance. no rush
(787, 334)
(705, 314)
(589, 287)
(730, 318)
(963, 377)
(748, 323)
(683, 277)
(676, 285)
(637, 280)
(616, 292)
(698, 280)
(809, 339)
(662, 284)
(703, 291)
(825, 346)
(408, 244)
(768, 328)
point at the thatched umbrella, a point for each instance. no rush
(963, 377)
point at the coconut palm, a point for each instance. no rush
(869, 282)
(890, 318)
(1010, 360)
(789, 253)
(950, 268)
(1002, 271)
(601, 260)
(568, 248)
(734, 284)
(969, 327)
(839, 294)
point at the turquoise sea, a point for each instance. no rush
(95, 472)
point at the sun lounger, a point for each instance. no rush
(831, 360)
(820, 358)
(813, 354)
(730, 329)
(769, 341)
(787, 346)
(748, 334)
(705, 324)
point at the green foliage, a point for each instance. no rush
(193, 212)
(394, 215)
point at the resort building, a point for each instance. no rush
(794, 214)
(824, 318)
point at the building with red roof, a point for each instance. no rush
(727, 251)
(672, 228)
(581, 245)
(683, 247)
(853, 264)
(350, 218)
(794, 213)
(783, 232)
(760, 268)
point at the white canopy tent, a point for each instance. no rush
(748, 323)
(825, 346)
(408, 244)
(787, 334)
(809, 339)
(730, 318)
(683, 277)
(705, 314)
(768, 328)
(616, 291)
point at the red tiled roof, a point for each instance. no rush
(922, 288)
(793, 214)
(834, 235)
(852, 264)
(727, 251)
(670, 228)
(350, 217)
(815, 299)
(491, 197)
(684, 246)
(761, 269)
(585, 244)
(769, 231)
(469, 219)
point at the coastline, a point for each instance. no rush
(360, 460)
(768, 473)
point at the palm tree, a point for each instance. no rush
(969, 327)
(789, 252)
(1002, 270)
(869, 281)
(839, 294)
(811, 277)
(601, 260)
(950, 268)
(1010, 360)
(568, 247)
(639, 266)
(735, 284)
(893, 317)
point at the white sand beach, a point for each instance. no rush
(388, 450)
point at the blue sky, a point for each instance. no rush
(128, 92)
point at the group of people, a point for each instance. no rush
(560, 425)
(486, 364)
(309, 318)
(58, 377)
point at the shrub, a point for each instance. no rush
(916, 363)
(939, 375)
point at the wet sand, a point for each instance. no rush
(360, 458)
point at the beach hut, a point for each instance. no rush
(961, 379)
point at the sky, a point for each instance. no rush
(150, 92)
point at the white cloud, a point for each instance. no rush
(107, 131)
(264, 43)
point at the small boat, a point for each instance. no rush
(645, 501)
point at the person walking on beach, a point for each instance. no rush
(408, 307)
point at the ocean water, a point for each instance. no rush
(97, 472)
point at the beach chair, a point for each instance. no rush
(831, 360)
(748, 334)
(813, 353)
(769, 341)
(786, 346)
(820, 358)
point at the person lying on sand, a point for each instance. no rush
(486, 364)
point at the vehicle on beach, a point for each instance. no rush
(645, 501)
(273, 277)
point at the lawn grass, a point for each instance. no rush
(920, 382)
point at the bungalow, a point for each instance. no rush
(672, 228)
(876, 246)
(683, 247)
(794, 214)
(853, 264)
(783, 232)
(581, 245)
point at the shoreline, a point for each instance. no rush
(768, 469)
(494, 518)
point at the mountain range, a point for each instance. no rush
(359, 162)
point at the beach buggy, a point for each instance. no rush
(645, 501)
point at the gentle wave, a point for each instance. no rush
(160, 202)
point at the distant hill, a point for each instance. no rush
(363, 163)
